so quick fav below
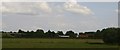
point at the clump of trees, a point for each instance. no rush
(111, 35)
(71, 34)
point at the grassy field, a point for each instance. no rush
(53, 43)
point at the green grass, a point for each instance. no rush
(53, 43)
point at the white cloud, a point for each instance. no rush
(33, 8)
(73, 6)
(12, 7)
(44, 6)
(21, 7)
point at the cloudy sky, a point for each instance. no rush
(64, 16)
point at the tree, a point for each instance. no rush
(71, 34)
(111, 35)
(39, 33)
(20, 31)
(54, 35)
(118, 35)
(11, 32)
(98, 34)
(29, 34)
(50, 34)
(27, 31)
(60, 33)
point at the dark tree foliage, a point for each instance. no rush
(39, 33)
(51, 34)
(20, 31)
(111, 35)
(71, 34)
(98, 34)
(118, 36)
(59, 33)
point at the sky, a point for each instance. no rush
(58, 16)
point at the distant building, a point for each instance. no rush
(63, 36)
(83, 35)
(86, 34)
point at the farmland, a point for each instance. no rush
(53, 43)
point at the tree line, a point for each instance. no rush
(39, 33)
(109, 35)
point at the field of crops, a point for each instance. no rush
(54, 43)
